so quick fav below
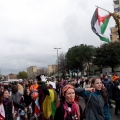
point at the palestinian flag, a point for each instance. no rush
(99, 25)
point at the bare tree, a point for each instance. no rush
(62, 64)
(43, 70)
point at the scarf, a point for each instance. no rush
(2, 112)
(74, 110)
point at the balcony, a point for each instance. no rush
(116, 1)
(117, 9)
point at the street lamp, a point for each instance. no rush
(58, 60)
(0, 71)
(0, 74)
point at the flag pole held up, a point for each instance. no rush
(103, 9)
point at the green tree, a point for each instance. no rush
(77, 56)
(22, 75)
(108, 54)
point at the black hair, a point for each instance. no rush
(25, 91)
(1, 95)
(14, 89)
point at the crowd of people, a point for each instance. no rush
(54, 99)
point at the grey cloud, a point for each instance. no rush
(30, 30)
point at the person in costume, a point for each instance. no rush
(47, 99)
(50, 102)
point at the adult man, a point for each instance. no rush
(109, 85)
(34, 89)
(116, 95)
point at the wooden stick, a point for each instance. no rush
(102, 9)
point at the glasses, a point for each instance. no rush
(98, 83)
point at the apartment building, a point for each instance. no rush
(52, 69)
(12, 76)
(32, 72)
(114, 36)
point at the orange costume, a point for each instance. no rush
(34, 90)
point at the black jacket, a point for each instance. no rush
(59, 114)
(8, 106)
(28, 100)
(116, 90)
(109, 86)
(57, 87)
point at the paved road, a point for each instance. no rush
(113, 117)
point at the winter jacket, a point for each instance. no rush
(116, 90)
(60, 112)
(28, 100)
(109, 86)
(8, 107)
(96, 108)
(16, 97)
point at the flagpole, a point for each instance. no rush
(102, 9)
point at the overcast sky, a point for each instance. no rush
(31, 29)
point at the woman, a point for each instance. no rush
(97, 103)
(2, 112)
(8, 106)
(16, 95)
(27, 84)
(29, 102)
(87, 83)
(68, 108)
(27, 97)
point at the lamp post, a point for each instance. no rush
(0, 74)
(0, 71)
(58, 60)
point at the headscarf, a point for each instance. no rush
(65, 88)
(75, 107)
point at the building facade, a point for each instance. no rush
(12, 76)
(114, 36)
(52, 69)
(32, 72)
